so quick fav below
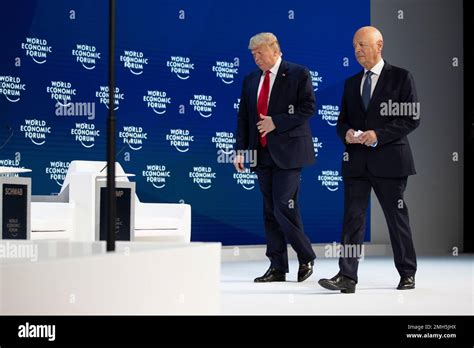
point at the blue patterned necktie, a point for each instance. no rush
(366, 89)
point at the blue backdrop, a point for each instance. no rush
(180, 65)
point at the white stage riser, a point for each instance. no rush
(139, 278)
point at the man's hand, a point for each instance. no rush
(350, 138)
(265, 125)
(239, 163)
(368, 138)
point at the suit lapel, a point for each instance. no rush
(280, 78)
(358, 81)
(380, 85)
(253, 89)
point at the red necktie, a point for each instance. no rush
(262, 103)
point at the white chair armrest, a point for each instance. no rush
(180, 212)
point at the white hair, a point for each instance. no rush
(268, 39)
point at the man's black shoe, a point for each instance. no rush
(406, 283)
(339, 282)
(271, 275)
(305, 270)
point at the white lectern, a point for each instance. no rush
(125, 204)
(15, 203)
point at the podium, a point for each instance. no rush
(86, 183)
(125, 204)
(15, 203)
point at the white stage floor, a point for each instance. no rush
(444, 286)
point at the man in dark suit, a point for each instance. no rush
(276, 104)
(379, 108)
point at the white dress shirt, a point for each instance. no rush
(273, 74)
(376, 70)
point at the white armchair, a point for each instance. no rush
(52, 217)
(162, 222)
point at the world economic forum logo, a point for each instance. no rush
(181, 66)
(85, 133)
(156, 175)
(87, 55)
(203, 177)
(35, 130)
(224, 141)
(246, 179)
(133, 136)
(134, 61)
(180, 139)
(9, 162)
(103, 95)
(157, 101)
(37, 49)
(330, 179)
(203, 104)
(57, 171)
(329, 113)
(316, 79)
(317, 145)
(226, 71)
(61, 91)
(11, 87)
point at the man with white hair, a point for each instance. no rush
(276, 104)
(378, 156)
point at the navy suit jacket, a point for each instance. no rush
(392, 157)
(291, 105)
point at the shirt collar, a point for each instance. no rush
(274, 69)
(377, 68)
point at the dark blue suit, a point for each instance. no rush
(289, 148)
(290, 144)
(384, 168)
